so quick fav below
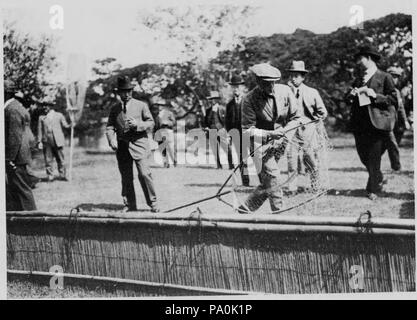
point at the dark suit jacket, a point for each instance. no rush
(381, 113)
(233, 115)
(138, 139)
(17, 138)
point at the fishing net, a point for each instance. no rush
(290, 172)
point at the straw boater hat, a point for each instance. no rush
(123, 83)
(213, 95)
(236, 80)
(368, 50)
(266, 72)
(395, 71)
(298, 66)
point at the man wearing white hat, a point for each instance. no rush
(268, 111)
(312, 108)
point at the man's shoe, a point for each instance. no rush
(372, 196)
(50, 178)
(155, 209)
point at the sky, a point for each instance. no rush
(100, 29)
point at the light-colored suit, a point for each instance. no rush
(305, 141)
(133, 146)
(50, 133)
(50, 128)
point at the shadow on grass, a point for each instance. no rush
(104, 207)
(407, 210)
(362, 193)
(352, 169)
(203, 185)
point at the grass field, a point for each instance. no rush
(96, 186)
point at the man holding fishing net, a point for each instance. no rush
(269, 112)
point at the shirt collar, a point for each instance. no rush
(369, 73)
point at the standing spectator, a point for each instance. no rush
(214, 120)
(374, 102)
(51, 139)
(19, 196)
(129, 121)
(233, 121)
(312, 108)
(164, 130)
(401, 124)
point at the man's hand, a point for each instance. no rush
(40, 145)
(132, 123)
(371, 93)
(113, 145)
(10, 165)
(277, 133)
(407, 125)
(354, 92)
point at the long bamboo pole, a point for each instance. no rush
(407, 224)
(225, 225)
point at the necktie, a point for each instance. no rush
(297, 95)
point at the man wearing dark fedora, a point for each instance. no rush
(374, 103)
(268, 111)
(306, 138)
(129, 121)
(233, 124)
(19, 196)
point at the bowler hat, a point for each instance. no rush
(213, 95)
(368, 50)
(123, 83)
(298, 66)
(266, 72)
(9, 86)
(236, 79)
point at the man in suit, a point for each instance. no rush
(233, 124)
(164, 130)
(51, 139)
(268, 111)
(215, 117)
(401, 124)
(19, 196)
(129, 121)
(312, 108)
(374, 103)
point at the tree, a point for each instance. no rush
(29, 62)
(104, 68)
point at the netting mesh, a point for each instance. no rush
(291, 171)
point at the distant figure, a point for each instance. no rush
(215, 118)
(374, 103)
(234, 121)
(19, 196)
(401, 124)
(312, 108)
(129, 121)
(51, 140)
(164, 130)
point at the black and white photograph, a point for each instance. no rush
(219, 149)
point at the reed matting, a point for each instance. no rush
(298, 256)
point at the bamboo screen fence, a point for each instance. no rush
(265, 254)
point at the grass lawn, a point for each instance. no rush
(96, 186)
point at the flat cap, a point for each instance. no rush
(266, 72)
